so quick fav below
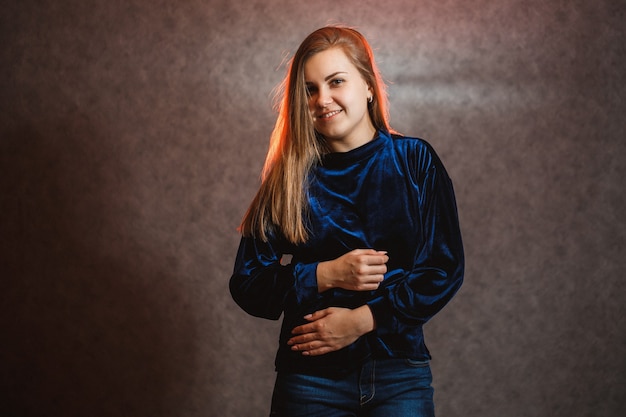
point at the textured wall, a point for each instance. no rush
(132, 134)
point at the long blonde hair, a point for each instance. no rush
(281, 203)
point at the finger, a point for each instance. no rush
(304, 329)
(378, 269)
(317, 314)
(306, 347)
(317, 352)
(372, 283)
(378, 259)
(373, 274)
(367, 287)
(319, 349)
(363, 252)
(297, 342)
(311, 327)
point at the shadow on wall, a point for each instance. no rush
(86, 316)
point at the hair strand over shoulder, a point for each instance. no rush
(281, 203)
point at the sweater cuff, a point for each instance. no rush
(306, 281)
(383, 316)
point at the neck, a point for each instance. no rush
(349, 143)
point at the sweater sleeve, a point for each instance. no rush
(262, 286)
(411, 296)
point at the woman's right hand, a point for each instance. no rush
(357, 270)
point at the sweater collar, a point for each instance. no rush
(339, 159)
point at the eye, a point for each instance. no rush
(310, 90)
(336, 82)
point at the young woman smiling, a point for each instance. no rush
(353, 237)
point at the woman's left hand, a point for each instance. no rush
(331, 329)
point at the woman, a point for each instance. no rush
(353, 236)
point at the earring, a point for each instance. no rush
(370, 99)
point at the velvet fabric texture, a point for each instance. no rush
(392, 194)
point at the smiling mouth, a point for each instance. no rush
(329, 114)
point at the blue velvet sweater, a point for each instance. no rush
(391, 194)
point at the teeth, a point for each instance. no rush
(331, 114)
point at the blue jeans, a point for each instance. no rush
(380, 388)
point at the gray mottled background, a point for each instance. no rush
(132, 134)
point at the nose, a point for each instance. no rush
(323, 98)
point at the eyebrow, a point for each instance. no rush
(334, 74)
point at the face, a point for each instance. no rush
(338, 97)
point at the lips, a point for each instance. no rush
(329, 114)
